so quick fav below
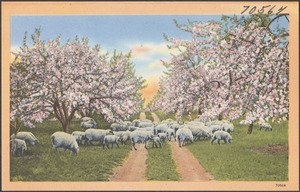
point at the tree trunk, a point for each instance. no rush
(250, 128)
(199, 111)
(67, 126)
(220, 116)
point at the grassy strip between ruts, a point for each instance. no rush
(40, 163)
(160, 164)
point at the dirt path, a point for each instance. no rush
(134, 167)
(188, 166)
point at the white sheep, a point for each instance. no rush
(125, 137)
(214, 128)
(19, 145)
(140, 137)
(79, 135)
(110, 139)
(202, 132)
(145, 124)
(171, 132)
(221, 135)
(65, 141)
(162, 128)
(88, 123)
(156, 140)
(266, 126)
(136, 122)
(132, 128)
(162, 136)
(96, 135)
(184, 134)
(146, 120)
(28, 137)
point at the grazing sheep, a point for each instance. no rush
(162, 136)
(214, 128)
(96, 135)
(140, 137)
(118, 127)
(171, 132)
(128, 123)
(184, 134)
(19, 145)
(145, 124)
(162, 128)
(228, 127)
(156, 140)
(79, 135)
(28, 137)
(125, 137)
(110, 139)
(221, 135)
(132, 128)
(65, 141)
(203, 133)
(266, 126)
(146, 120)
(136, 122)
(88, 123)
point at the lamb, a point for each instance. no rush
(140, 137)
(28, 137)
(65, 141)
(110, 139)
(266, 126)
(162, 136)
(19, 145)
(96, 135)
(221, 135)
(171, 132)
(184, 134)
(79, 136)
(156, 140)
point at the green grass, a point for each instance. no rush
(40, 163)
(236, 161)
(162, 116)
(149, 116)
(160, 164)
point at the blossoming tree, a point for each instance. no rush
(242, 70)
(64, 80)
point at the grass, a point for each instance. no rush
(162, 116)
(40, 163)
(160, 164)
(149, 116)
(237, 162)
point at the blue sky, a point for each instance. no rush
(143, 34)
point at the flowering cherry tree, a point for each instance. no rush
(242, 70)
(65, 80)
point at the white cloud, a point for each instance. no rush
(156, 64)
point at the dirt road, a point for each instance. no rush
(134, 167)
(188, 166)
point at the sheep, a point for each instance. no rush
(96, 135)
(79, 136)
(145, 124)
(64, 140)
(88, 123)
(125, 137)
(19, 145)
(221, 135)
(156, 140)
(128, 123)
(199, 131)
(162, 136)
(171, 132)
(118, 127)
(162, 128)
(184, 134)
(132, 128)
(215, 128)
(266, 126)
(140, 137)
(28, 137)
(110, 139)
(146, 120)
(136, 122)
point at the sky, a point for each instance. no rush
(141, 34)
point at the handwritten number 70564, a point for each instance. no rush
(268, 9)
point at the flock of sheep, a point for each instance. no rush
(138, 131)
